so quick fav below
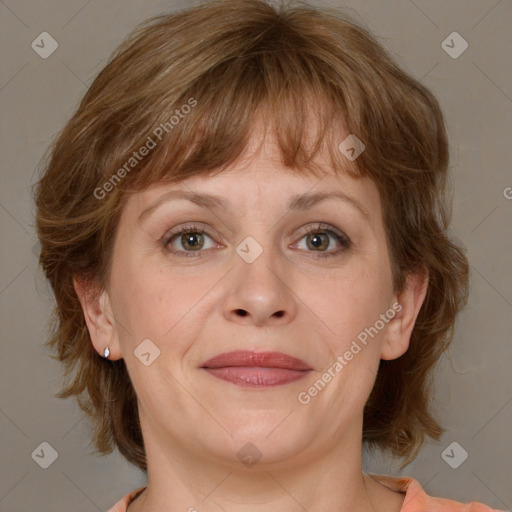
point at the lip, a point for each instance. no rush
(256, 369)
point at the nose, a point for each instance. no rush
(260, 293)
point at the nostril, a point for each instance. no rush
(279, 314)
(241, 312)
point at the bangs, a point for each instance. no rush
(293, 96)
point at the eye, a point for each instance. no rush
(191, 238)
(318, 240)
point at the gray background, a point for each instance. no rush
(474, 392)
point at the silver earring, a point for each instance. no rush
(106, 353)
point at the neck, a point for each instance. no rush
(180, 478)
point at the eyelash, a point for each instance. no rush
(343, 240)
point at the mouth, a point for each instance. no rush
(256, 369)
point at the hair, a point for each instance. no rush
(189, 86)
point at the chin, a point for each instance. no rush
(264, 438)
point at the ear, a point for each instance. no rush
(98, 317)
(407, 305)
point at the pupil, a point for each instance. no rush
(191, 240)
(317, 241)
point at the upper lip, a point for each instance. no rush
(261, 359)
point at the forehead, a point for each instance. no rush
(262, 192)
(259, 179)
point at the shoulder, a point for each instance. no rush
(123, 503)
(417, 500)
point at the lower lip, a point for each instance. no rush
(257, 377)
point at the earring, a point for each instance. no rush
(106, 353)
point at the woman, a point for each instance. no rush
(245, 227)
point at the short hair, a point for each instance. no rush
(189, 87)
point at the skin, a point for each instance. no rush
(190, 307)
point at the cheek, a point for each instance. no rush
(349, 302)
(157, 304)
(350, 310)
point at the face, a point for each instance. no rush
(257, 271)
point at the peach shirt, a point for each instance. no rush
(416, 500)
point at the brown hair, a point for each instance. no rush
(313, 72)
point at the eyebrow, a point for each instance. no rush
(300, 202)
